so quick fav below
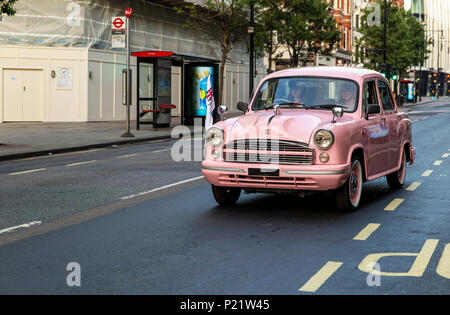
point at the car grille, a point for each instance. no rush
(267, 151)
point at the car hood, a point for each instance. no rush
(294, 125)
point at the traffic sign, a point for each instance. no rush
(128, 12)
(118, 29)
(118, 23)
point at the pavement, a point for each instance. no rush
(22, 140)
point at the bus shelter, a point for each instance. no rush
(199, 76)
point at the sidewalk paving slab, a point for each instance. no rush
(22, 140)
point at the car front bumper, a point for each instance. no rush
(295, 177)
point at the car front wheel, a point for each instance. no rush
(349, 195)
(226, 196)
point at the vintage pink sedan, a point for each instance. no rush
(311, 129)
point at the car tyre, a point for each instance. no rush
(397, 178)
(226, 196)
(349, 195)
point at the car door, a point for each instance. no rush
(392, 121)
(376, 131)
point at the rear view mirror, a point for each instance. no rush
(242, 106)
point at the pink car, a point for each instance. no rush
(311, 129)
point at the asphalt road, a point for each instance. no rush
(117, 216)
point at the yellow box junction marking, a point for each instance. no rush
(366, 232)
(394, 204)
(320, 277)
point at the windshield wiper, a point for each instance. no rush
(326, 106)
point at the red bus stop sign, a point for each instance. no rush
(128, 12)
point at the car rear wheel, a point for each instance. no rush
(349, 195)
(226, 196)
(397, 179)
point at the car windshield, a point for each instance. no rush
(307, 93)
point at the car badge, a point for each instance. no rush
(267, 131)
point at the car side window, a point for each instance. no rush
(369, 94)
(386, 98)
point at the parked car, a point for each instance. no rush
(311, 129)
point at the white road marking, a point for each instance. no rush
(26, 225)
(438, 162)
(161, 188)
(27, 172)
(158, 151)
(81, 163)
(127, 156)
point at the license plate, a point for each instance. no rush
(263, 172)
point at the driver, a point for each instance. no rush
(348, 95)
(295, 92)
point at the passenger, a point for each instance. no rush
(348, 96)
(296, 92)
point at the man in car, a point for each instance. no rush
(295, 92)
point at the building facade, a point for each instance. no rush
(57, 63)
(434, 74)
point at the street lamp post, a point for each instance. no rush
(251, 31)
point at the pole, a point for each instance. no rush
(128, 133)
(385, 31)
(438, 77)
(252, 49)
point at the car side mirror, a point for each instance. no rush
(372, 109)
(242, 106)
(338, 112)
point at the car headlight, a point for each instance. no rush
(214, 136)
(324, 139)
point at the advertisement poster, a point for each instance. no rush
(64, 78)
(197, 94)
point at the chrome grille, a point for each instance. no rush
(267, 151)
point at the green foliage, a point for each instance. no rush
(405, 39)
(224, 22)
(301, 25)
(7, 7)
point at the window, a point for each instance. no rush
(306, 92)
(386, 98)
(369, 95)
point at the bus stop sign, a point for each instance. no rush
(128, 12)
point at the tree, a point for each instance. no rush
(268, 17)
(7, 7)
(405, 40)
(224, 22)
(322, 27)
(307, 25)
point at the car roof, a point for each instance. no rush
(326, 71)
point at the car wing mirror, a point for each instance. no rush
(242, 106)
(338, 112)
(372, 109)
